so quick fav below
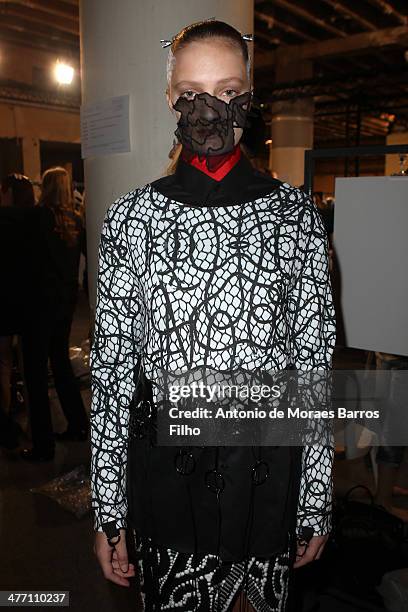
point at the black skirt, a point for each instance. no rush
(205, 500)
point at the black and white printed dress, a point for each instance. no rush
(241, 267)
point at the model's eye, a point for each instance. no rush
(189, 94)
(230, 93)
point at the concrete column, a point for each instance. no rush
(292, 124)
(121, 54)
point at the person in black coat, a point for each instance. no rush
(16, 198)
(55, 245)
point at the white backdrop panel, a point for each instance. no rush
(371, 244)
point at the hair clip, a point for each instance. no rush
(166, 43)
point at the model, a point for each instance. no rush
(215, 265)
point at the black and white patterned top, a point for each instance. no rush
(246, 282)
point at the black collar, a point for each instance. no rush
(192, 186)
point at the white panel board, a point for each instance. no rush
(105, 127)
(371, 245)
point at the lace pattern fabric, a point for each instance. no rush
(260, 266)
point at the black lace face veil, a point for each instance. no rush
(206, 126)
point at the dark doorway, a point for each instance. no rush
(11, 158)
(66, 154)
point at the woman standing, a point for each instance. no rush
(216, 265)
(55, 251)
(16, 199)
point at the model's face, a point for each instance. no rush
(214, 67)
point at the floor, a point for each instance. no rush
(48, 548)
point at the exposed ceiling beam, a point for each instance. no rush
(389, 9)
(268, 19)
(54, 7)
(334, 46)
(25, 13)
(272, 22)
(37, 41)
(293, 8)
(272, 40)
(348, 12)
(29, 29)
(357, 87)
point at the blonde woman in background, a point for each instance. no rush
(55, 252)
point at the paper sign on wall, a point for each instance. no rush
(105, 127)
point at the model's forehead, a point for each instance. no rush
(208, 61)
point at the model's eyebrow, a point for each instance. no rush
(220, 82)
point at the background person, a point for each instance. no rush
(16, 198)
(55, 247)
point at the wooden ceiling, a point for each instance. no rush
(47, 24)
(359, 53)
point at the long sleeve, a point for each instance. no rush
(118, 337)
(313, 336)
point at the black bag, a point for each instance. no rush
(368, 540)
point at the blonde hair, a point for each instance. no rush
(174, 155)
(57, 194)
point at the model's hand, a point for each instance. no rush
(114, 561)
(310, 552)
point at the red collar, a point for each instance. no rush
(223, 163)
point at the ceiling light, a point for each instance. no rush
(64, 73)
